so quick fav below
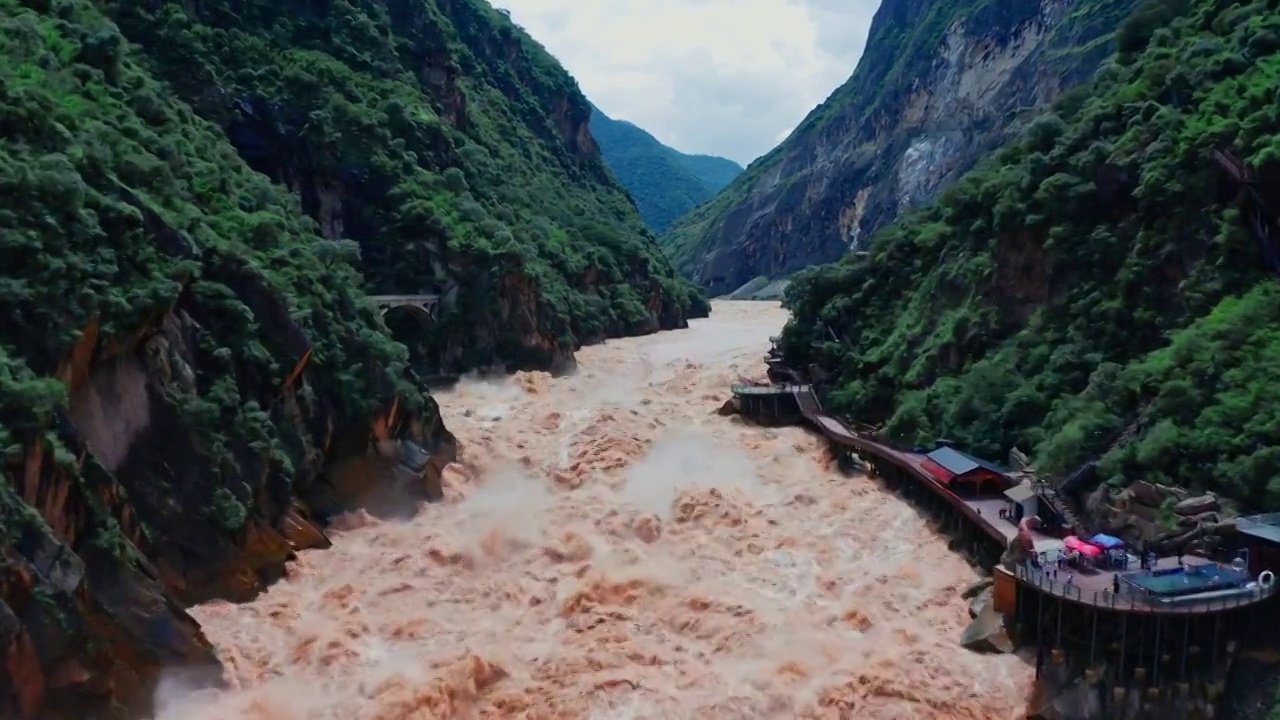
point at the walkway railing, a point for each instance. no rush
(1259, 523)
(1131, 599)
(784, 389)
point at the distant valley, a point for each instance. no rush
(664, 182)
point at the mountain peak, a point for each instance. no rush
(664, 182)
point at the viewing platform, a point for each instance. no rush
(1167, 588)
(992, 504)
(1113, 633)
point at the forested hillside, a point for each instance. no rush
(448, 145)
(664, 182)
(1096, 273)
(187, 354)
(714, 172)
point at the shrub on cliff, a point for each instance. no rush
(1089, 276)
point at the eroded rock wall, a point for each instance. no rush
(111, 531)
(938, 86)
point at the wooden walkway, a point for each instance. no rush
(1261, 219)
(1088, 586)
(985, 512)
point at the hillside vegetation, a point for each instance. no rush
(664, 182)
(448, 145)
(715, 172)
(187, 351)
(118, 202)
(1093, 274)
(178, 363)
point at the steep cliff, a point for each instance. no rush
(448, 145)
(664, 182)
(939, 85)
(1106, 272)
(180, 371)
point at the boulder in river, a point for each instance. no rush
(977, 588)
(987, 633)
(979, 602)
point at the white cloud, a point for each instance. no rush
(723, 77)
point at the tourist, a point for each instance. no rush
(1115, 583)
(1070, 578)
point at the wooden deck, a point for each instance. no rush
(1088, 585)
(1097, 587)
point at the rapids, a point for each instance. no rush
(611, 548)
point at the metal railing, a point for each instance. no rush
(1134, 599)
(1257, 523)
(782, 389)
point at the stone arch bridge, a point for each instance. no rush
(422, 306)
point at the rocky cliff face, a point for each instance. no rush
(120, 520)
(1100, 292)
(939, 85)
(188, 385)
(449, 146)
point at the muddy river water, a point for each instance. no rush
(612, 548)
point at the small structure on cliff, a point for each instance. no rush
(1026, 503)
(958, 469)
(1260, 535)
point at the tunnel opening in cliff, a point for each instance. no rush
(413, 327)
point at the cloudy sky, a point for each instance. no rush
(723, 77)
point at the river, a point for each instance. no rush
(611, 548)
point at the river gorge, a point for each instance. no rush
(610, 547)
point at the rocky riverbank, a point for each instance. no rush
(1164, 519)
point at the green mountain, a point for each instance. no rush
(939, 85)
(197, 197)
(714, 172)
(665, 183)
(449, 145)
(1104, 272)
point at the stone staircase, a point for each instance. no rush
(1062, 507)
(1059, 495)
